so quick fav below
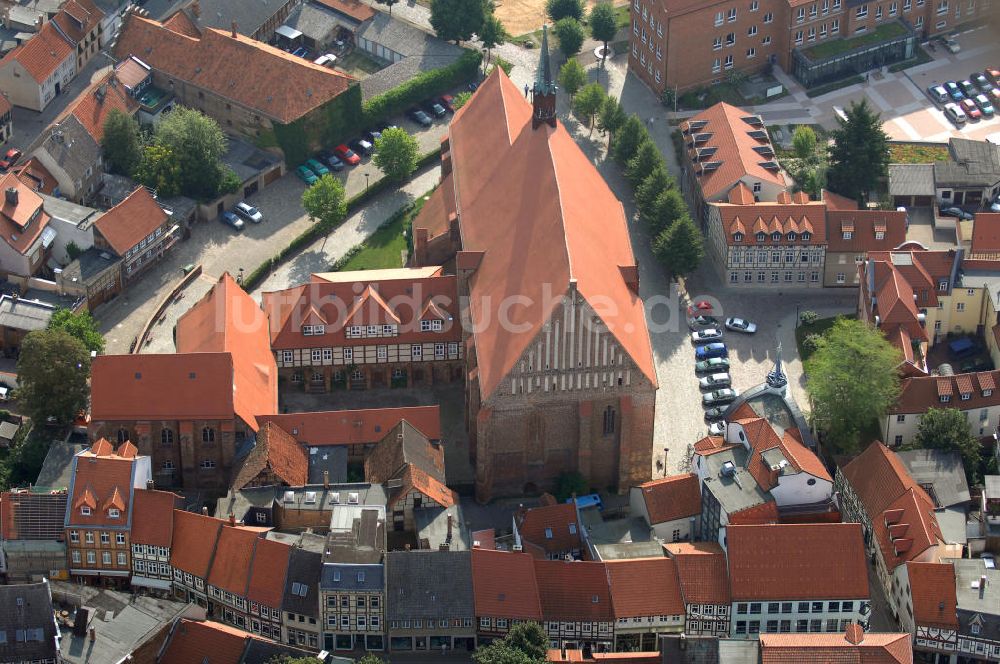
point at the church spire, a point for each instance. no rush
(776, 377)
(543, 94)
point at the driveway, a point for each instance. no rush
(218, 248)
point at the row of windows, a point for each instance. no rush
(318, 355)
(142, 567)
(113, 513)
(800, 15)
(762, 256)
(791, 236)
(358, 622)
(786, 607)
(105, 558)
(150, 550)
(360, 601)
(149, 239)
(785, 626)
(363, 331)
(748, 276)
(834, 29)
(88, 537)
(167, 436)
(431, 623)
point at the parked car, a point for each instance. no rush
(980, 81)
(372, 135)
(10, 158)
(419, 117)
(716, 428)
(956, 212)
(712, 364)
(725, 395)
(715, 380)
(702, 321)
(995, 205)
(382, 126)
(989, 560)
(954, 91)
(954, 113)
(434, 108)
(938, 94)
(361, 146)
(301, 52)
(968, 88)
(326, 60)
(951, 44)
(231, 219)
(741, 325)
(319, 169)
(715, 413)
(710, 350)
(984, 104)
(347, 155)
(248, 212)
(994, 96)
(306, 175)
(332, 160)
(707, 335)
(448, 102)
(971, 110)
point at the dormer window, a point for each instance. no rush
(776, 236)
(879, 235)
(943, 285)
(548, 533)
(945, 398)
(737, 237)
(806, 236)
(113, 513)
(791, 236)
(848, 235)
(85, 511)
(430, 326)
(987, 393)
(313, 330)
(966, 396)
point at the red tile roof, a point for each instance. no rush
(283, 88)
(231, 563)
(269, 568)
(906, 528)
(504, 585)
(740, 154)
(574, 591)
(415, 479)
(153, 517)
(768, 218)
(567, 231)
(932, 589)
(35, 176)
(872, 648)
(93, 106)
(631, 581)
(181, 23)
(986, 235)
(352, 427)
(197, 641)
(836, 202)
(918, 394)
(535, 525)
(193, 542)
(102, 479)
(353, 8)
(702, 572)
(797, 561)
(274, 450)
(671, 498)
(23, 222)
(362, 299)
(762, 437)
(131, 221)
(42, 54)
(78, 18)
(891, 224)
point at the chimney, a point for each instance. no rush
(149, 485)
(982, 586)
(10, 195)
(233, 33)
(232, 519)
(326, 479)
(204, 511)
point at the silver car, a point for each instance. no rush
(248, 212)
(716, 428)
(725, 395)
(715, 380)
(741, 325)
(708, 335)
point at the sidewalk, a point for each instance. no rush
(322, 253)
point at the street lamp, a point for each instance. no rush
(367, 175)
(665, 451)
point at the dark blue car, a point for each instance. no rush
(710, 350)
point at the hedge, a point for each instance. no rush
(420, 87)
(314, 232)
(835, 85)
(332, 123)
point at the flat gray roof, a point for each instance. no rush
(24, 315)
(911, 179)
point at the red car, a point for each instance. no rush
(10, 159)
(347, 155)
(993, 74)
(448, 102)
(971, 109)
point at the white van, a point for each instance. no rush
(326, 60)
(954, 113)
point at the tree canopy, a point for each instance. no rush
(588, 102)
(644, 162)
(629, 138)
(560, 9)
(396, 154)
(570, 34)
(325, 202)
(80, 326)
(652, 186)
(603, 25)
(947, 429)
(680, 247)
(525, 643)
(121, 143)
(853, 380)
(859, 156)
(492, 34)
(457, 20)
(572, 77)
(668, 207)
(52, 372)
(611, 117)
(804, 142)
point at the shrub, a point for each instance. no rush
(420, 87)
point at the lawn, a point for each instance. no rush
(838, 46)
(384, 249)
(358, 65)
(705, 97)
(803, 331)
(914, 153)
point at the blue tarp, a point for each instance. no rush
(960, 346)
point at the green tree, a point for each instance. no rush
(52, 372)
(325, 202)
(853, 380)
(603, 25)
(367, 659)
(572, 77)
(629, 138)
(644, 162)
(668, 208)
(121, 143)
(588, 103)
(680, 247)
(160, 170)
(804, 142)
(811, 182)
(461, 99)
(80, 326)
(457, 20)
(396, 154)
(611, 117)
(656, 182)
(570, 34)
(500, 652)
(197, 144)
(529, 638)
(560, 9)
(387, 3)
(947, 429)
(492, 34)
(859, 156)
(569, 483)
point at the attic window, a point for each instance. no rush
(361, 577)
(791, 236)
(138, 375)
(310, 497)
(335, 497)
(776, 236)
(966, 396)
(945, 398)
(289, 496)
(548, 533)
(987, 393)
(879, 235)
(192, 375)
(595, 599)
(114, 513)
(761, 236)
(85, 511)
(806, 236)
(737, 237)
(848, 235)
(336, 575)
(352, 499)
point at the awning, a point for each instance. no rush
(159, 584)
(48, 236)
(288, 32)
(97, 572)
